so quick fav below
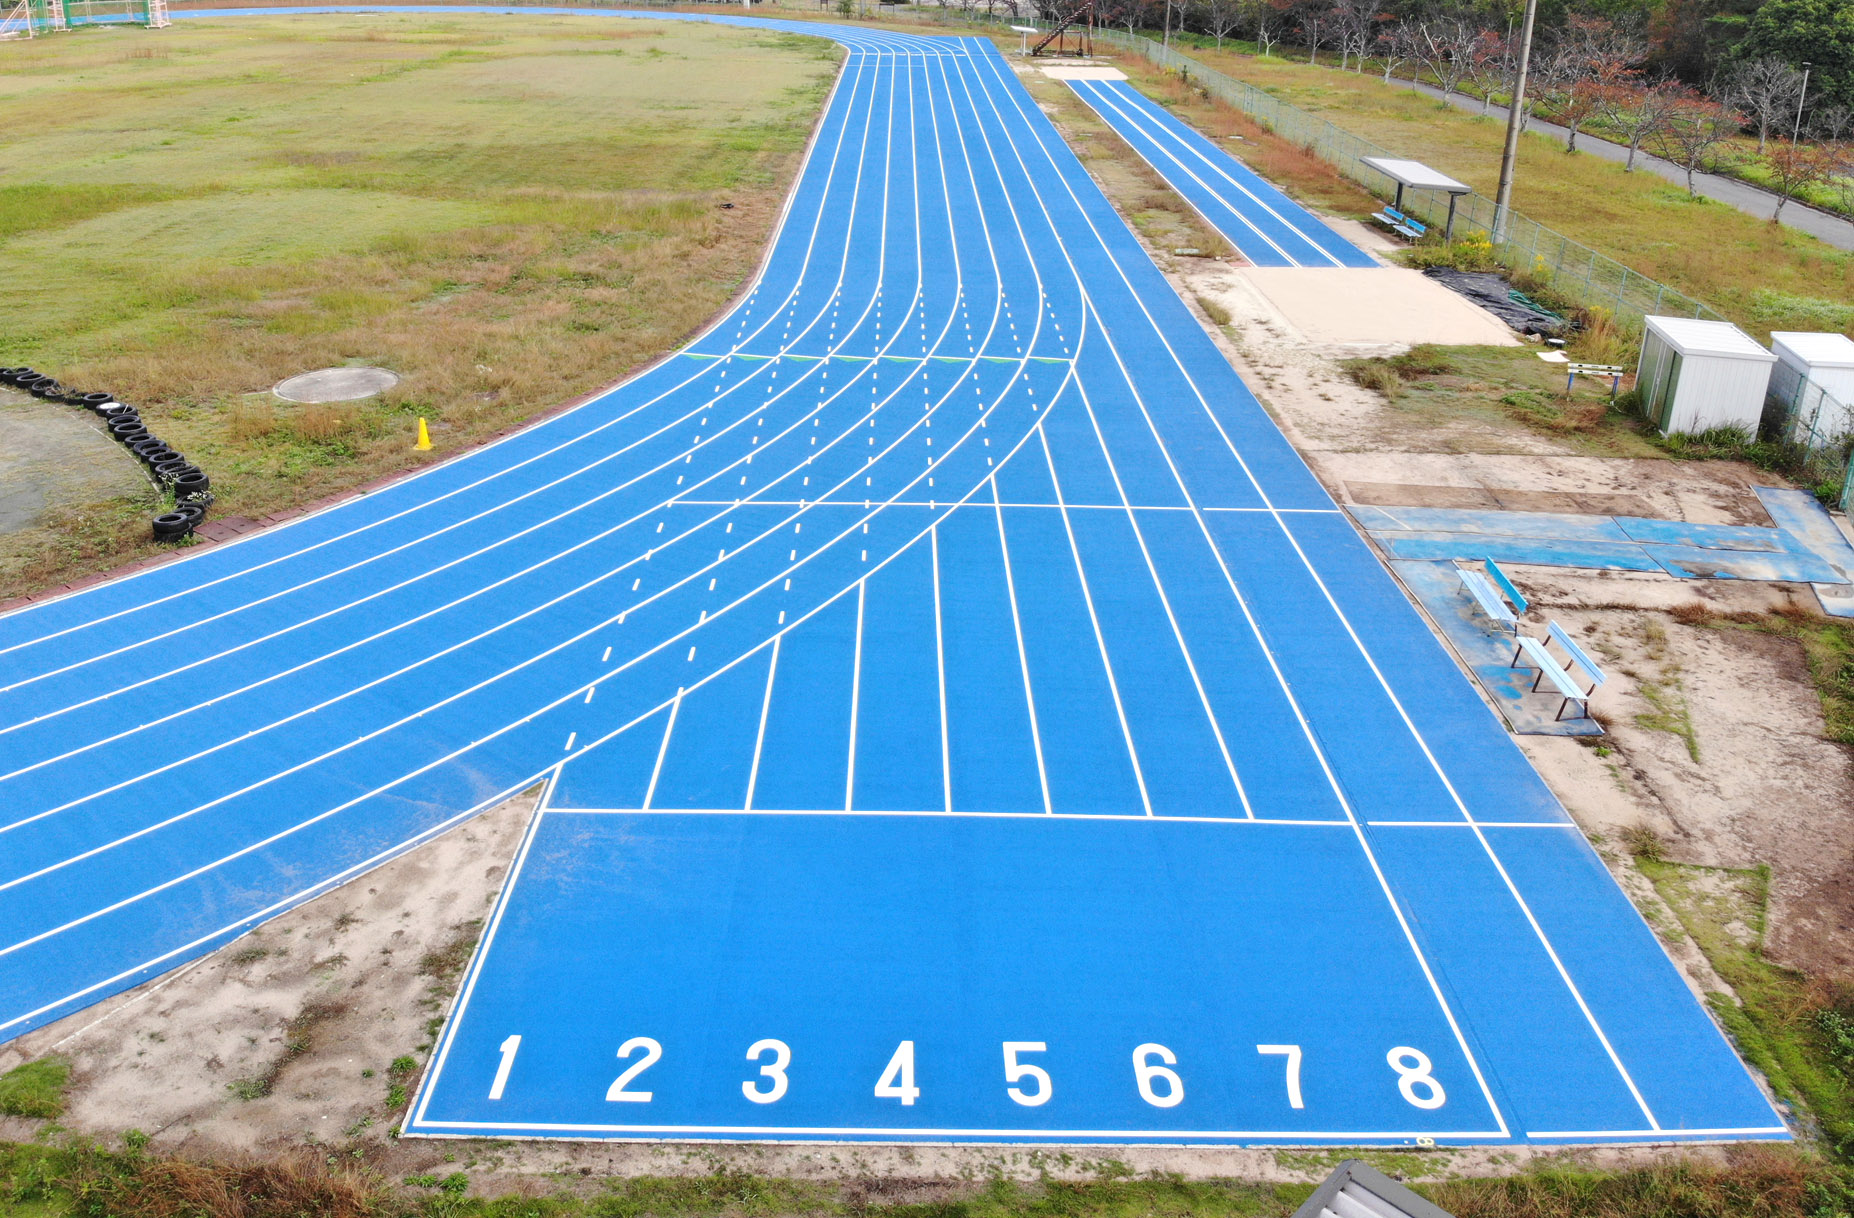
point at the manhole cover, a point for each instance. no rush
(335, 385)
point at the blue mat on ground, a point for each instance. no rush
(1252, 213)
(962, 714)
(1805, 547)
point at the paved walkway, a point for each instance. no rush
(1740, 194)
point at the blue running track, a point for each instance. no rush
(962, 716)
(1254, 216)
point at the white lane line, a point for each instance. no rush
(939, 657)
(656, 771)
(759, 736)
(1023, 660)
(856, 695)
(1152, 570)
(1094, 620)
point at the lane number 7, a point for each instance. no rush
(1292, 1053)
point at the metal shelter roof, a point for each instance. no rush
(1720, 339)
(1416, 175)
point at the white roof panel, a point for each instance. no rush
(1721, 339)
(1416, 175)
(1818, 350)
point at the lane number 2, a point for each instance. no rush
(652, 1053)
(1016, 1071)
(782, 1057)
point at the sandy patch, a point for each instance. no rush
(1066, 71)
(1375, 305)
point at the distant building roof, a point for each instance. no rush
(1691, 336)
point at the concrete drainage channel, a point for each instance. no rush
(171, 472)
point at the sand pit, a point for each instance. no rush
(1374, 306)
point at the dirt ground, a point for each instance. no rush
(56, 456)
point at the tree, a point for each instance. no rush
(1793, 168)
(1442, 43)
(1694, 129)
(1353, 22)
(1768, 91)
(1588, 56)
(1820, 32)
(1268, 18)
(1489, 64)
(1220, 18)
(1396, 45)
(1636, 113)
(1314, 26)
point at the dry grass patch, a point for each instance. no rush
(507, 215)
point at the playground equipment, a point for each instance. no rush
(30, 18)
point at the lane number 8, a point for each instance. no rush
(1413, 1074)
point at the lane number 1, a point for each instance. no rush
(508, 1049)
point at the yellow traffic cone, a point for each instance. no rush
(424, 439)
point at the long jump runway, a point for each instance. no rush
(962, 715)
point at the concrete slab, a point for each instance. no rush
(1064, 71)
(336, 385)
(1375, 305)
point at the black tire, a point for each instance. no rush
(143, 448)
(10, 376)
(171, 468)
(122, 428)
(46, 388)
(192, 484)
(94, 401)
(116, 410)
(203, 499)
(152, 457)
(172, 526)
(193, 511)
(26, 378)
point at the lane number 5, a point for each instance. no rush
(1016, 1071)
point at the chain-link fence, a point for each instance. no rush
(1815, 428)
(1571, 267)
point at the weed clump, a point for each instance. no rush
(35, 1089)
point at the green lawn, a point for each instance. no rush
(1764, 276)
(507, 212)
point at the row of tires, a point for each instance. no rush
(191, 488)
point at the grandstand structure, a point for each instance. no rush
(30, 18)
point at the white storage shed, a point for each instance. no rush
(1814, 378)
(1697, 375)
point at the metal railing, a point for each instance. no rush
(1592, 278)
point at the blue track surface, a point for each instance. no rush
(944, 661)
(1252, 214)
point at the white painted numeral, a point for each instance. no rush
(502, 1071)
(897, 1081)
(652, 1052)
(1016, 1071)
(1144, 1071)
(782, 1057)
(1412, 1067)
(1292, 1053)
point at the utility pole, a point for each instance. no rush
(1503, 201)
(1800, 98)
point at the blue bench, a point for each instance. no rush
(1512, 593)
(1535, 653)
(1399, 222)
(1488, 599)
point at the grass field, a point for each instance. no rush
(1762, 275)
(508, 214)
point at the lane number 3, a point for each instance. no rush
(782, 1057)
